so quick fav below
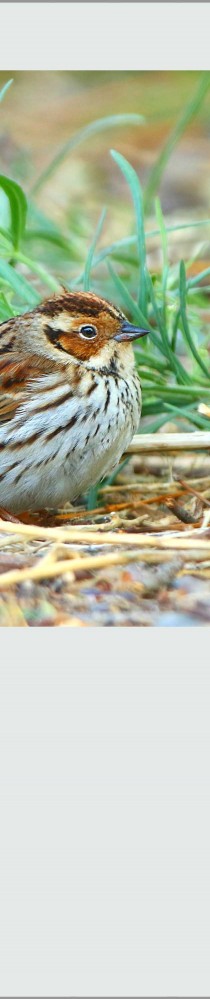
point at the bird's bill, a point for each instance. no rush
(129, 332)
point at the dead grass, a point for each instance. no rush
(142, 555)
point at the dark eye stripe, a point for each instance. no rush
(53, 337)
(87, 331)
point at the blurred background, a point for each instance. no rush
(134, 228)
(43, 110)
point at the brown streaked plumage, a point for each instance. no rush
(70, 399)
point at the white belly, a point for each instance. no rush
(60, 465)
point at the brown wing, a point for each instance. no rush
(14, 380)
(20, 365)
(17, 375)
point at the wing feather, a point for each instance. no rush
(16, 379)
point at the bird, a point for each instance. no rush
(70, 399)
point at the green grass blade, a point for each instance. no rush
(91, 251)
(5, 89)
(6, 310)
(175, 330)
(18, 208)
(163, 232)
(36, 268)
(150, 362)
(194, 418)
(93, 128)
(92, 497)
(136, 194)
(165, 271)
(153, 407)
(54, 238)
(193, 282)
(135, 311)
(19, 285)
(185, 327)
(190, 393)
(131, 241)
(6, 246)
(150, 378)
(175, 364)
(155, 425)
(184, 120)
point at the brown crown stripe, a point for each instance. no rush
(76, 303)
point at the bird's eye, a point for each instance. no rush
(88, 332)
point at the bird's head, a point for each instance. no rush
(85, 327)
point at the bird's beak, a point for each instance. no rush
(129, 332)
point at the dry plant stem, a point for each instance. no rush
(126, 505)
(89, 536)
(148, 443)
(113, 507)
(49, 568)
(151, 487)
(76, 535)
(194, 492)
